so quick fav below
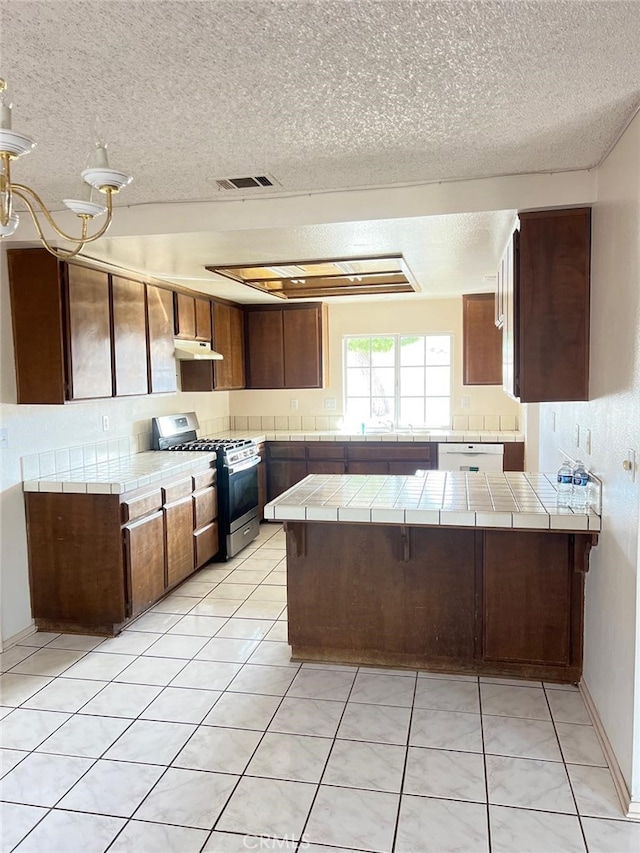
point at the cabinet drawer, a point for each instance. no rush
(177, 490)
(284, 450)
(203, 478)
(205, 506)
(384, 450)
(142, 505)
(205, 543)
(326, 450)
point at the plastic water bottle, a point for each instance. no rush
(580, 486)
(565, 484)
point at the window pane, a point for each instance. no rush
(358, 409)
(412, 410)
(438, 349)
(437, 412)
(383, 382)
(358, 382)
(412, 349)
(358, 352)
(438, 381)
(412, 381)
(383, 351)
(382, 407)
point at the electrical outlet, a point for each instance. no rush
(466, 402)
(576, 436)
(4, 439)
(105, 423)
(293, 405)
(587, 441)
(553, 421)
(330, 403)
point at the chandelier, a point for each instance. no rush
(99, 176)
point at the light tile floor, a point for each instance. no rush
(193, 731)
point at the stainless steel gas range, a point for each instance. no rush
(237, 467)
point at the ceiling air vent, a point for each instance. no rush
(248, 183)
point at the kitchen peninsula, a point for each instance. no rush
(474, 573)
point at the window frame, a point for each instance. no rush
(397, 397)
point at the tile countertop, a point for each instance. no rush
(122, 475)
(436, 498)
(437, 435)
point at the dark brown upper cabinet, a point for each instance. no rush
(192, 317)
(81, 333)
(130, 375)
(228, 340)
(162, 363)
(546, 307)
(481, 341)
(285, 346)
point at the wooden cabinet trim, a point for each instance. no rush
(481, 341)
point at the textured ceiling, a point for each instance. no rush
(448, 255)
(322, 94)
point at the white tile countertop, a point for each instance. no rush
(438, 435)
(122, 475)
(435, 498)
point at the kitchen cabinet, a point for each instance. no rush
(80, 333)
(144, 561)
(285, 346)
(162, 363)
(228, 340)
(481, 341)
(290, 462)
(513, 457)
(97, 561)
(495, 603)
(545, 297)
(192, 317)
(130, 373)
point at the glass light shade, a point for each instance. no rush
(8, 229)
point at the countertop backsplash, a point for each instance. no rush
(311, 423)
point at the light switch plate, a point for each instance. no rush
(587, 441)
(330, 403)
(105, 422)
(293, 405)
(576, 436)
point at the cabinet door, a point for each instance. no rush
(205, 542)
(553, 309)
(196, 375)
(236, 327)
(144, 558)
(482, 341)
(178, 522)
(222, 370)
(89, 325)
(203, 320)
(532, 571)
(283, 474)
(129, 337)
(322, 466)
(162, 363)
(510, 318)
(185, 316)
(302, 336)
(265, 349)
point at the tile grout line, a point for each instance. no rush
(404, 767)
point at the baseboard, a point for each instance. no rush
(630, 809)
(17, 638)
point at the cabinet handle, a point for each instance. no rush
(405, 544)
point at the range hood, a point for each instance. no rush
(196, 351)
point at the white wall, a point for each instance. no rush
(612, 660)
(432, 316)
(35, 429)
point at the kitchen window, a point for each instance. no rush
(404, 380)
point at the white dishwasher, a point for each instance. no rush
(470, 457)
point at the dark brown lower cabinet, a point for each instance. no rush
(505, 603)
(178, 527)
(144, 561)
(96, 561)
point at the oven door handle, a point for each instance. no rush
(244, 466)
